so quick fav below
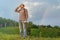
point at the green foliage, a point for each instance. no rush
(12, 33)
(35, 32)
(30, 25)
(43, 30)
(48, 32)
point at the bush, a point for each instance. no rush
(45, 32)
(49, 32)
(35, 32)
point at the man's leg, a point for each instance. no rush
(24, 28)
(21, 28)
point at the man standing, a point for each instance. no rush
(23, 16)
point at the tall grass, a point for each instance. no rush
(12, 33)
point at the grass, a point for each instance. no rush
(12, 33)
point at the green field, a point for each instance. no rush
(12, 33)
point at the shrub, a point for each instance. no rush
(35, 32)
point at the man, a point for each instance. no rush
(23, 16)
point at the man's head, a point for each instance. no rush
(22, 6)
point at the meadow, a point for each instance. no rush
(12, 33)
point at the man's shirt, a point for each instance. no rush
(23, 14)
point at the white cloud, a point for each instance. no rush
(30, 16)
(58, 7)
(38, 3)
(34, 3)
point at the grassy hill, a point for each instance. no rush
(12, 33)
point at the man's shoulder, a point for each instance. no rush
(25, 8)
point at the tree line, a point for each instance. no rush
(7, 22)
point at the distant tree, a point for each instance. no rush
(56, 27)
(43, 26)
(34, 26)
(49, 26)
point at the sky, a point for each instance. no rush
(41, 12)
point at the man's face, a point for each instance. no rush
(21, 6)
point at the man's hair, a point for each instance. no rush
(22, 4)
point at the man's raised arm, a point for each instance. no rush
(16, 10)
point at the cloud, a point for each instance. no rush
(34, 3)
(58, 7)
(38, 3)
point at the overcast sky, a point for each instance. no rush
(46, 12)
